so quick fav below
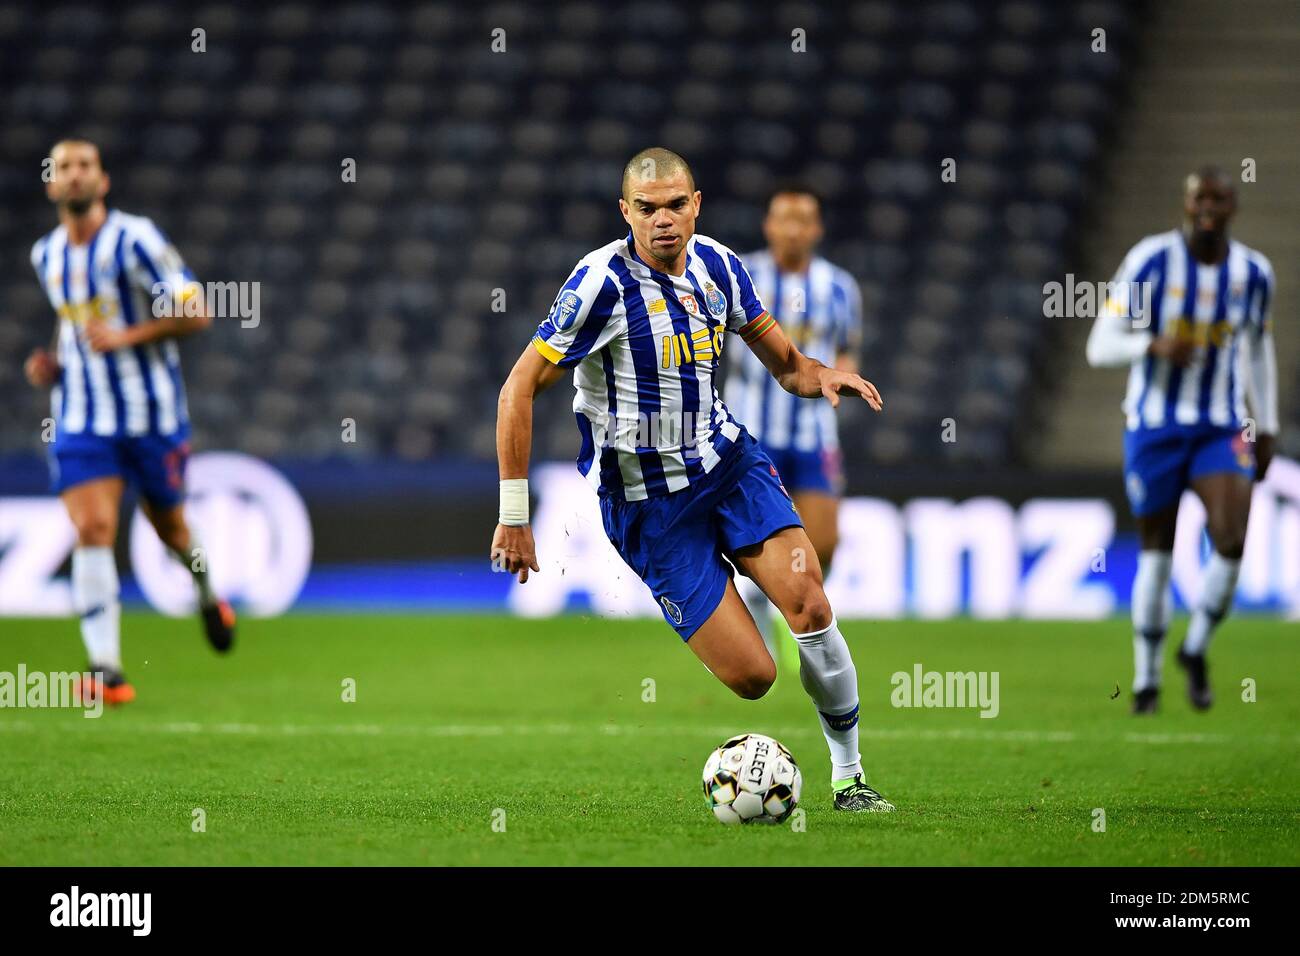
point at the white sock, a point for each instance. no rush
(1152, 608)
(827, 673)
(196, 562)
(95, 599)
(760, 608)
(1216, 598)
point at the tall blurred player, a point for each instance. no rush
(118, 403)
(1199, 345)
(820, 308)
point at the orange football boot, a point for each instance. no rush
(113, 688)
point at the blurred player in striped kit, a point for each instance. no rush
(122, 296)
(819, 306)
(1189, 314)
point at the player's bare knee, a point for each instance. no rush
(756, 681)
(1156, 533)
(809, 610)
(819, 615)
(95, 530)
(1228, 539)
(1231, 547)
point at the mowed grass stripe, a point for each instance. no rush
(672, 730)
(459, 716)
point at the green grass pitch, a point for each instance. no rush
(458, 718)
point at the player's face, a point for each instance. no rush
(79, 179)
(662, 215)
(1208, 204)
(793, 226)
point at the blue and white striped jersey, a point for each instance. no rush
(1210, 304)
(646, 347)
(129, 391)
(821, 311)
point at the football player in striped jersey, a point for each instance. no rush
(685, 492)
(122, 296)
(1189, 314)
(820, 309)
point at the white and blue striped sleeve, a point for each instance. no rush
(1262, 273)
(1134, 276)
(38, 257)
(1121, 333)
(583, 317)
(848, 328)
(747, 317)
(1261, 380)
(154, 264)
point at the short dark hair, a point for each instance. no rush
(70, 140)
(793, 187)
(663, 160)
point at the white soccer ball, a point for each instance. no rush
(752, 779)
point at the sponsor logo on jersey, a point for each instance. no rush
(80, 313)
(703, 344)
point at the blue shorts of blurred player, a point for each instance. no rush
(676, 542)
(820, 470)
(1161, 463)
(153, 464)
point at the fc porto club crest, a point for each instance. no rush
(715, 300)
(672, 610)
(565, 309)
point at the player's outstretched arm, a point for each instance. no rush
(1114, 342)
(185, 314)
(1261, 394)
(808, 378)
(512, 543)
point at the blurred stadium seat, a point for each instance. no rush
(473, 175)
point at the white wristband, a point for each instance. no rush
(514, 501)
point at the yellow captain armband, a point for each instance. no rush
(191, 292)
(548, 352)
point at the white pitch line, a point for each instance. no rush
(675, 730)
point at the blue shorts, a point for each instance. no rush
(676, 542)
(820, 470)
(1160, 463)
(153, 464)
